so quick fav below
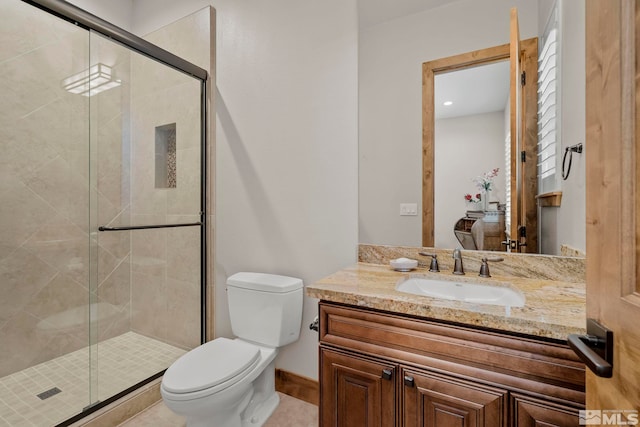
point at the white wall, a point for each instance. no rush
(572, 213)
(286, 137)
(390, 103)
(466, 147)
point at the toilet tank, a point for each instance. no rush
(265, 308)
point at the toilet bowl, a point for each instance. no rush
(231, 382)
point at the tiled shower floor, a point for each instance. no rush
(122, 362)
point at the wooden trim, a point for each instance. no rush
(297, 386)
(490, 55)
(552, 199)
(515, 125)
(428, 139)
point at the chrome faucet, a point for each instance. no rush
(457, 262)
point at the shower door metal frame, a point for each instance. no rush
(90, 22)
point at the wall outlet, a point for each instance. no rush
(408, 209)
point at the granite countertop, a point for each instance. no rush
(553, 309)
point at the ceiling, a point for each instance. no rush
(372, 12)
(477, 90)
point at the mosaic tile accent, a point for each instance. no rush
(122, 361)
(165, 144)
(171, 158)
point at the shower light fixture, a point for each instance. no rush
(91, 81)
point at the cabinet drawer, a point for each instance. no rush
(540, 368)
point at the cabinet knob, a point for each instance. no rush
(409, 381)
(387, 374)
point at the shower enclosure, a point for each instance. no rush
(101, 212)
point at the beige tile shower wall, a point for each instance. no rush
(166, 263)
(45, 190)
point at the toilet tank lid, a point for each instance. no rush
(264, 282)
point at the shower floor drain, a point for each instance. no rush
(47, 394)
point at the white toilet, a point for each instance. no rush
(231, 382)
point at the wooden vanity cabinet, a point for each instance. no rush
(387, 370)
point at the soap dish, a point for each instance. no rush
(403, 264)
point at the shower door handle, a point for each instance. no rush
(147, 227)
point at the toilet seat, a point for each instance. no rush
(211, 367)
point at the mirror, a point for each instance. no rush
(485, 137)
(391, 53)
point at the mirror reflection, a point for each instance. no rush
(471, 112)
(391, 172)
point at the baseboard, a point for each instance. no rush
(297, 386)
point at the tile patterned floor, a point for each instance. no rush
(290, 413)
(122, 361)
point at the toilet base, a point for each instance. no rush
(264, 400)
(262, 413)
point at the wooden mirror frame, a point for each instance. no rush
(529, 58)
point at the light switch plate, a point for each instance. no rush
(408, 209)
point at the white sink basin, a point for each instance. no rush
(462, 291)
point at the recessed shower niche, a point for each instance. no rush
(165, 157)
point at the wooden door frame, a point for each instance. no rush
(529, 53)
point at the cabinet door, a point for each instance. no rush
(431, 400)
(355, 392)
(530, 412)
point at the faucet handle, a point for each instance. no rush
(434, 268)
(484, 267)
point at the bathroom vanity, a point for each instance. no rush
(389, 358)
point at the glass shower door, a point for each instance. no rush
(100, 210)
(146, 141)
(44, 219)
